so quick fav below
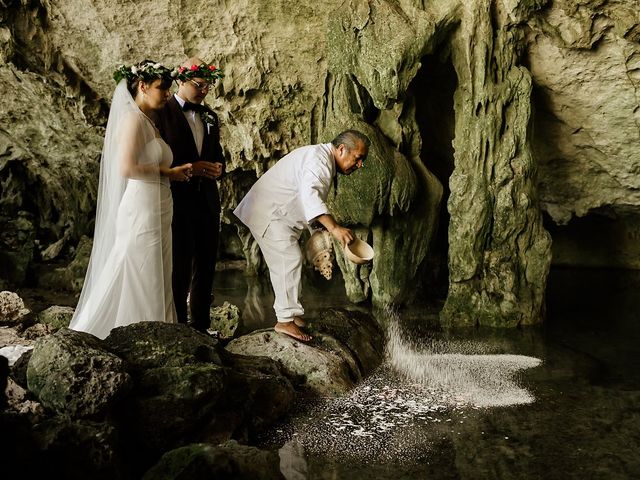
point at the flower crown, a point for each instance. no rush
(209, 72)
(146, 70)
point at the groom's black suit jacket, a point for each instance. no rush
(175, 130)
(196, 215)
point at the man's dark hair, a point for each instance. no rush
(350, 139)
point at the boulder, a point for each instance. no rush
(56, 316)
(73, 374)
(228, 460)
(346, 346)
(225, 319)
(12, 308)
(147, 345)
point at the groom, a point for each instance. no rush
(193, 133)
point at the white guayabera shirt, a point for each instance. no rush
(291, 193)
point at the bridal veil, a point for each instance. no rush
(127, 271)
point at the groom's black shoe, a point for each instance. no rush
(200, 327)
(209, 333)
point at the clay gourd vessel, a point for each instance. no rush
(359, 252)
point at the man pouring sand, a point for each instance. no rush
(283, 202)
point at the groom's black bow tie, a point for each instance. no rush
(193, 106)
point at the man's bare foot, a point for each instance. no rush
(291, 329)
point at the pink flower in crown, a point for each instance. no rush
(194, 68)
(212, 67)
(182, 69)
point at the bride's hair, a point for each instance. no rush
(147, 71)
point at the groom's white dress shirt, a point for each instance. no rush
(195, 123)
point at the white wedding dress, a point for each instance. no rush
(129, 275)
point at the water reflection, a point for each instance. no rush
(254, 307)
(254, 296)
(293, 461)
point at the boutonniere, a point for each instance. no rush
(208, 117)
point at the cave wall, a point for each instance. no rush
(49, 148)
(584, 58)
(63, 53)
(545, 106)
(499, 252)
(585, 61)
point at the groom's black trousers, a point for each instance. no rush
(195, 230)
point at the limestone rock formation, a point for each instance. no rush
(226, 320)
(493, 279)
(497, 109)
(500, 259)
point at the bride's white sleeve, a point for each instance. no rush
(136, 158)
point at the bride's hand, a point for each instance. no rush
(181, 173)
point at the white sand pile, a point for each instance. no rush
(382, 419)
(477, 379)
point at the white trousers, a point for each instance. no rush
(281, 251)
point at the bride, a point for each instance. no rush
(129, 274)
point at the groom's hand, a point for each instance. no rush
(217, 169)
(207, 169)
